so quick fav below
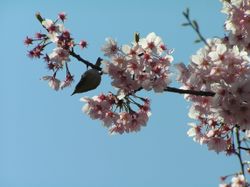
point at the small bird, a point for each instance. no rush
(89, 81)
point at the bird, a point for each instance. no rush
(90, 80)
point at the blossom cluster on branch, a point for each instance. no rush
(225, 71)
(56, 34)
(237, 23)
(117, 114)
(143, 64)
(216, 81)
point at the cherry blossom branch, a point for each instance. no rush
(152, 48)
(71, 52)
(244, 148)
(192, 92)
(182, 91)
(87, 63)
(237, 133)
(194, 26)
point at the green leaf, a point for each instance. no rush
(197, 41)
(195, 24)
(185, 24)
(187, 11)
(185, 14)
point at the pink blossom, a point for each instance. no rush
(110, 48)
(138, 65)
(62, 16)
(224, 185)
(216, 144)
(183, 72)
(195, 132)
(53, 82)
(238, 181)
(67, 82)
(152, 43)
(28, 41)
(59, 56)
(55, 34)
(83, 44)
(224, 70)
(103, 107)
(237, 22)
(53, 29)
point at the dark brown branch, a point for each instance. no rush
(87, 63)
(244, 148)
(238, 153)
(192, 92)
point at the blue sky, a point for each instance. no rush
(45, 139)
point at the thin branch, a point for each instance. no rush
(239, 150)
(244, 148)
(194, 26)
(87, 63)
(192, 92)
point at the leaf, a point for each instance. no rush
(187, 11)
(197, 41)
(195, 24)
(185, 24)
(39, 17)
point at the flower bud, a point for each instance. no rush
(39, 17)
(136, 37)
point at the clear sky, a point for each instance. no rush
(46, 140)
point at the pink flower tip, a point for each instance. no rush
(83, 44)
(223, 178)
(39, 35)
(62, 16)
(163, 47)
(28, 41)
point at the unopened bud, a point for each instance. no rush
(39, 17)
(136, 37)
(248, 170)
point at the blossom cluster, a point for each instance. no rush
(143, 64)
(237, 180)
(237, 23)
(57, 34)
(222, 66)
(224, 70)
(126, 119)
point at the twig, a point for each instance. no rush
(239, 150)
(87, 63)
(244, 148)
(194, 26)
(192, 92)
